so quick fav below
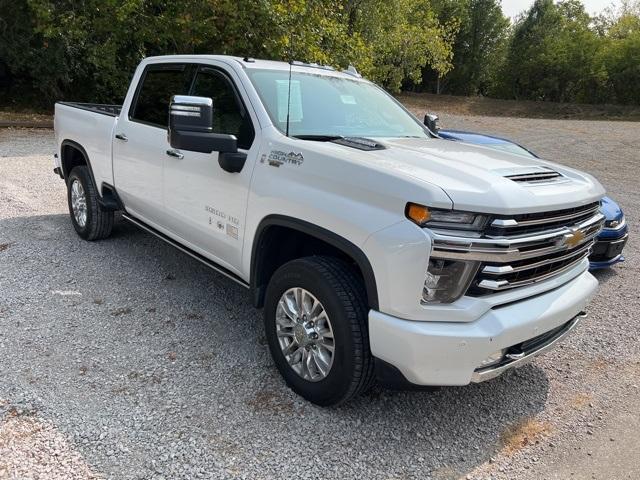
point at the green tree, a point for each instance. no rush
(479, 44)
(551, 54)
(401, 36)
(620, 57)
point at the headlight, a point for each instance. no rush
(615, 224)
(449, 219)
(447, 280)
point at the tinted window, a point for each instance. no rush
(158, 86)
(229, 115)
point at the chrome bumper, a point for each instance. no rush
(490, 372)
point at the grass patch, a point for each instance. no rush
(523, 433)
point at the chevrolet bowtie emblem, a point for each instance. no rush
(572, 239)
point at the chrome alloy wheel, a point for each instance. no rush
(305, 334)
(79, 203)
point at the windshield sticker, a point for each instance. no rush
(348, 99)
(289, 103)
(278, 157)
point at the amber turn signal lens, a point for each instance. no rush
(418, 213)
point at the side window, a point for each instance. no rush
(229, 115)
(159, 84)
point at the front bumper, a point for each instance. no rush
(607, 250)
(448, 353)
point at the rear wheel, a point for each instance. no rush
(316, 326)
(89, 219)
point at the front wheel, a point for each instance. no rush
(89, 219)
(316, 326)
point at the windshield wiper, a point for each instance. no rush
(319, 138)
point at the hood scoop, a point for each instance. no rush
(534, 175)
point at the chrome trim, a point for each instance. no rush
(191, 100)
(175, 154)
(502, 269)
(492, 372)
(505, 284)
(508, 249)
(510, 223)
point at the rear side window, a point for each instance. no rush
(159, 84)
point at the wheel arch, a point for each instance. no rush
(272, 229)
(72, 154)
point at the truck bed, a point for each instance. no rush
(89, 126)
(104, 109)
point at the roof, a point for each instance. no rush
(249, 63)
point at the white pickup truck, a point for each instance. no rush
(376, 249)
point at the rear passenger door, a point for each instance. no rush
(140, 143)
(204, 203)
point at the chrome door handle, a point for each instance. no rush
(121, 136)
(175, 154)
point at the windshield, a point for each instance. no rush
(324, 105)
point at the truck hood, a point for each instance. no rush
(475, 177)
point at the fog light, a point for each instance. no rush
(495, 357)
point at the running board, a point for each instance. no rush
(202, 259)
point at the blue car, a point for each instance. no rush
(607, 250)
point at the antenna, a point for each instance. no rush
(289, 97)
(290, 65)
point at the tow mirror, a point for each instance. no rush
(432, 122)
(191, 128)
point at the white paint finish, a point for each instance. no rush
(138, 167)
(198, 194)
(444, 353)
(91, 131)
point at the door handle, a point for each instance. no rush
(175, 154)
(121, 136)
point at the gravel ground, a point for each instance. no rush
(127, 359)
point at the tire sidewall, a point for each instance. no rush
(336, 385)
(80, 174)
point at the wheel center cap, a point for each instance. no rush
(301, 335)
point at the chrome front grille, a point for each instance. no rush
(536, 222)
(522, 250)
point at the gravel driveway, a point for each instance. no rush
(127, 359)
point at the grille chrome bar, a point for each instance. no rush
(498, 285)
(561, 242)
(502, 269)
(505, 249)
(510, 223)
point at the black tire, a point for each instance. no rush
(99, 222)
(341, 291)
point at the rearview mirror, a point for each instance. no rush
(432, 122)
(191, 128)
